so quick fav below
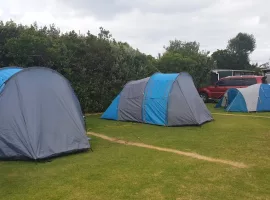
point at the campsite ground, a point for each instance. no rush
(116, 171)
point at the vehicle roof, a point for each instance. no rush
(231, 70)
(245, 76)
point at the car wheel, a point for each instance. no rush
(204, 97)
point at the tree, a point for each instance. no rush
(8, 30)
(97, 66)
(243, 43)
(236, 55)
(222, 59)
(185, 48)
(225, 59)
(186, 56)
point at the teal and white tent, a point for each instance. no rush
(255, 98)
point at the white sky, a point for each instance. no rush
(149, 25)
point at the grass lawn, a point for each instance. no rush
(116, 171)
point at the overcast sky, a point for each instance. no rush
(149, 24)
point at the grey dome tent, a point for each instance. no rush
(162, 99)
(40, 115)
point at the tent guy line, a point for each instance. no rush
(188, 154)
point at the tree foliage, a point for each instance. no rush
(225, 59)
(187, 56)
(98, 66)
(185, 48)
(236, 55)
(243, 43)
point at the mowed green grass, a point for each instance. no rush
(116, 171)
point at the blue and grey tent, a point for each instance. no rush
(162, 99)
(255, 98)
(40, 115)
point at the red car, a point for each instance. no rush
(215, 92)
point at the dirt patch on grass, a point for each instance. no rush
(189, 154)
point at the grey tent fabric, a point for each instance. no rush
(178, 115)
(185, 105)
(40, 116)
(131, 100)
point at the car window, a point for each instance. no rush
(231, 82)
(224, 82)
(250, 81)
(236, 82)
(220, 83)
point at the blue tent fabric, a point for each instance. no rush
(219, 103)
(162, 99)
(156, 98)
(112, 111)
(264, 98)
(255, 98)
(40, 116)
(227, 98)
(238, 103)
(232, 94)
(6, 73)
